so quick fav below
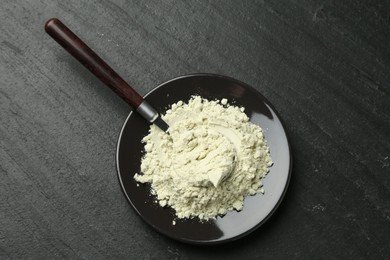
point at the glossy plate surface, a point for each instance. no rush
(257, 209)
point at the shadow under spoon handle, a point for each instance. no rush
(86, 56)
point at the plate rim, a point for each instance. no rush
(243, 234)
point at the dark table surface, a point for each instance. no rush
(325, 65)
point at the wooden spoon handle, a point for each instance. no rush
(70, 42)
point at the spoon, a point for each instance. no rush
(87, 57)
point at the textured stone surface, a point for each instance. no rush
(324, 65)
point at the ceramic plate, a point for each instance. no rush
(257, 209)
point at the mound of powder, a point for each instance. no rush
(212, 158)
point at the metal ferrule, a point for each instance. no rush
(147, 111)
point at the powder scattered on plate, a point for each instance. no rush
(212, 158)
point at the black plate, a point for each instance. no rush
(257, 209)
